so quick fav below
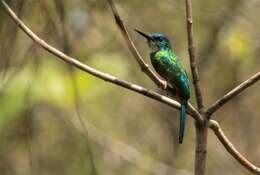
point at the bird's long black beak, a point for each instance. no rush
(143, 34)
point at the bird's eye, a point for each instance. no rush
(159, 39)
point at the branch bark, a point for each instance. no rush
(237, 90)
(104, 76)
(201, 128)
(201, 148)
(191, 49)
(143, 66)
(231, 149)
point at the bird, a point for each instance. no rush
(169, 67)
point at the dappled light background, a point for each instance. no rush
(42, 98)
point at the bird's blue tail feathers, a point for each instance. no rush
(184, 104)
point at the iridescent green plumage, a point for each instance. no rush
(168, 65)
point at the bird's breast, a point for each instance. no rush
(159, 67)
(172, 71)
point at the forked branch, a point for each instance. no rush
(101, 75)
(136, 88)
(231, 149)
(201, 130)
(237, 90)
(144, 67)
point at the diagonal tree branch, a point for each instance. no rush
(231, 149)
(68, 49)
(104, 76)
(237, 90)
(191, 49)
(144, 67)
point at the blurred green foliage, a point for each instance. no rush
(39, 104)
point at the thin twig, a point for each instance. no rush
(78, 106)
(104, 76)
(18, 68)
(48, 16)
(231, 149)
(231, 94)
(68, 49)
(144, 67)
(130, 154)
(193, 66)
(9, 41)
(118, 148)
(29, 114)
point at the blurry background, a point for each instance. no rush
(41, 97)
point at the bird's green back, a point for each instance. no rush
(168, 65)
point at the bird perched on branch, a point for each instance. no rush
(168, 65)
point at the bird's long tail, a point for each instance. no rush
(184, 104)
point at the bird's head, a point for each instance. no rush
(156, 40)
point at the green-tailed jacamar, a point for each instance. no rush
(168, 65)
